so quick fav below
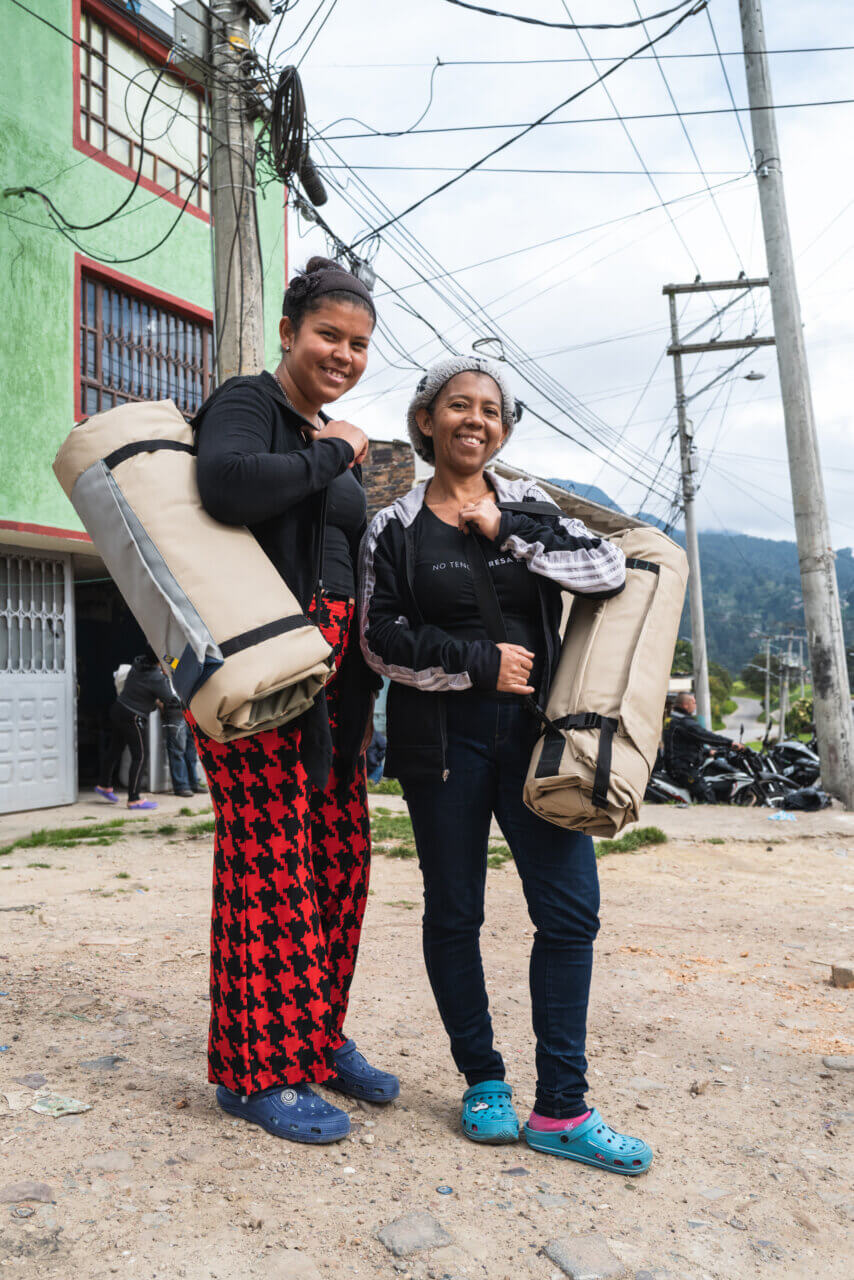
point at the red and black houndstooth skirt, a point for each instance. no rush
(290, 883)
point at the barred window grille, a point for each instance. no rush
(117, 83)
(32, 615)
(132, 349)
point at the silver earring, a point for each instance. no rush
(287, 349)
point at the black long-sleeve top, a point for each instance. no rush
(256, 468)
(685, 740)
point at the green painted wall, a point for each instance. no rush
(39, 323)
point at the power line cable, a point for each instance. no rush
(578, 120)
(635, 148)
(695, 9)
(720, 57)
(691, 146)
(567, 26)
(529, 62)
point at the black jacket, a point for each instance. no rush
(685, 742)
(424, 663)
(145, 686)
(256, 468)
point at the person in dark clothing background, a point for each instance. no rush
(686, 744)
(145, 688)
(180, 750)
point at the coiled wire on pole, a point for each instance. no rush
(287, 128)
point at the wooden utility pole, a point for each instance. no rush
(687, 458)
(831, 694)
(239, 308)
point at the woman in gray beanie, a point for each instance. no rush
(466, 660)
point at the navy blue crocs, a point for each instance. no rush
(358, 1079)
(294, 1112)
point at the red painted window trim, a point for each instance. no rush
(118, 278)
(44, 531)
(153, 49)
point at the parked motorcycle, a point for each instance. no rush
(743, 777)
(797, 761)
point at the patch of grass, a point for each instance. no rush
(123, 875)
(404, 903)
(386, 825)
(67, 837)
(716, 840)
(631, 841)
(186, 812)
(498, 855)
(44, 865)
(203, 828)
(167, 829)
(385, 787)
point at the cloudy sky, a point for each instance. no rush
(583, 313)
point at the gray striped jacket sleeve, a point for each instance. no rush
(565, 551)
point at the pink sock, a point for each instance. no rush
(548, 1124)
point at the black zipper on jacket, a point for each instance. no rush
(410, 582)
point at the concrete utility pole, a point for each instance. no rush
(784, 689)
(831, 694)
(687, 457)
(238, 272)
(692, 546)
(767, 685)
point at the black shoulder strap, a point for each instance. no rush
(126, 451)
(531, 508)
(484, 590)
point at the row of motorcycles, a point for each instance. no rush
(783, 775)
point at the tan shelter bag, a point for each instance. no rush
(209, 600)
(590, 769)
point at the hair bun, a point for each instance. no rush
(322, 264)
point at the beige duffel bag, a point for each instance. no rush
(209, 600)
(589, 771)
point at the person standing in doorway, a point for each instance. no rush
(145, 687)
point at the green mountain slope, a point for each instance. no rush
(751, 586)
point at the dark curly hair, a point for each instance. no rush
(300, 300)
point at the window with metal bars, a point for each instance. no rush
(134, 349)
(117, 85)
(32, 615)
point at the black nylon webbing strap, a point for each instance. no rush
(485, 593)
(532, 508)
(259, 634)
(607, 726)
(144, 446)
(632, 563)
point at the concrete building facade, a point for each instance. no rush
(116, 307)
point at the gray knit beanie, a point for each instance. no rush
(435, 379)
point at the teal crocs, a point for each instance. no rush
(594, 1142)
(488, 1114)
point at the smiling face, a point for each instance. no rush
(464, 423)
(327, 354)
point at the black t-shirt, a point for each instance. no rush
(346, 509)
(445, 592)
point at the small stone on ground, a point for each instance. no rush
(586, 1257)
(413, 1232)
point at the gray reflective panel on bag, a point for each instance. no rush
(207, 597)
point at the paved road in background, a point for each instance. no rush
(745, 714)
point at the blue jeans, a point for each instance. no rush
(489, 747)
(183, 760)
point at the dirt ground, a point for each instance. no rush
(711, 1014)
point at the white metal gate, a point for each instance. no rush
(37, 741)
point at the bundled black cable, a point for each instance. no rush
(287, 141)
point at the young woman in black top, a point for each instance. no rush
(460, 734)
(292, 843)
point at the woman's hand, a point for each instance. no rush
(354, 436)
(516, 664)
(483, 516)
(368, 735)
